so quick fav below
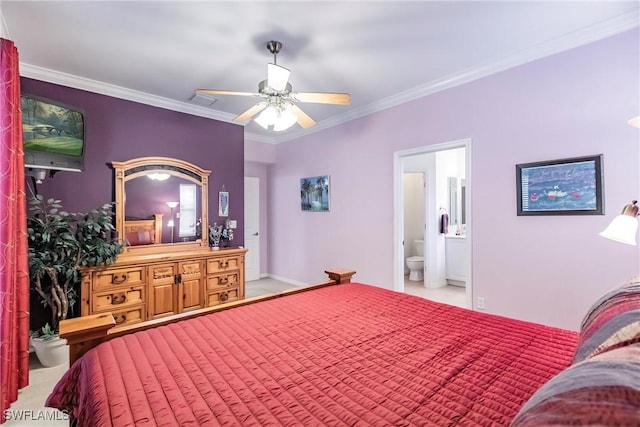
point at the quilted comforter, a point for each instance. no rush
(350, 354)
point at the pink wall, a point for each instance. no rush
(543, 269)
(259, 152)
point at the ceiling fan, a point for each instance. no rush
(279, 109)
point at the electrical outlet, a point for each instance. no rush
(481, 303)
(233, 223)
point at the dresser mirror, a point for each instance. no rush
(161, 202)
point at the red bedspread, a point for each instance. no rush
(344, 355)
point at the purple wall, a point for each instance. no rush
(121, 130)
(544, 269)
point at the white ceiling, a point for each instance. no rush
(382, 52)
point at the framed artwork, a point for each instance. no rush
(314, 193)
(223, 203)
(561, 187)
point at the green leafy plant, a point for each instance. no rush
(45, 333)
(60, 243)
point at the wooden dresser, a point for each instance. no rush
(145, 287)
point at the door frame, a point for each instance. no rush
(398, 208)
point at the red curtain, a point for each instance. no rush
(14, 270)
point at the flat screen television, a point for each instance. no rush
(53, 135)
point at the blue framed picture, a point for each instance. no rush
(561, 187)
(314, 193)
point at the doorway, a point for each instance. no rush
(447, 255)
(252, 227)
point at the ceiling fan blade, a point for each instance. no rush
(322, 97)
(225, 92)
(251, 112)
(303, 119)
(277, 77)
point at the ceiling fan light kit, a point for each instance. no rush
(278, 110)
(281, 118)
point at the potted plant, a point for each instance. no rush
(60, 243)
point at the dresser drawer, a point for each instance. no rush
(221, 297)
(116, 299)
(220, 265)
(129, 316)
(110, 278)
(218, 281)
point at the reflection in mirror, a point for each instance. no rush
(148, 197)
(452, 182)
(463, 202)
(161, 202)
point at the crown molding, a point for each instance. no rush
(76, 82)
(565, 42)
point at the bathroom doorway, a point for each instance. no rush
(437, 216)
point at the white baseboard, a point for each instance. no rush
(286, 280)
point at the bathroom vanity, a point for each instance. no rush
(456, 260)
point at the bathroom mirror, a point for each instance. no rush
(452, 182)
(161, 205)
(457, 192)
(463, 201)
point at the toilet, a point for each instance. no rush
(416, 263)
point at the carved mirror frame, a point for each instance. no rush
(135, 168)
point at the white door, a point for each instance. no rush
(252, 227)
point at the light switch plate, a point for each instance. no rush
(233, 223)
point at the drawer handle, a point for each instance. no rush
(118, 299)
(224, 280)
(224, 296)
(117, 279)
(120, 318)
(224, 264)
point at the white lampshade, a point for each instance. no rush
(623, 228)
(267, 117)
(276, 116)
(277, 77)
(285, 120)
(172, 204)
(635, 122)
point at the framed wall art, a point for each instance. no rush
(314, 193)
(561, 187)
(223, 204)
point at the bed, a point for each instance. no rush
(346, 354)
(143, 231)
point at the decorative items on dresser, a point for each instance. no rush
(152, 279)
(136, 289)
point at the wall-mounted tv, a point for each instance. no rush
(53, 134)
